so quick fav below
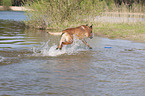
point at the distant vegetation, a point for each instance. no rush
(12, 2)
(110, 5)
(129, 3)
(58, 13)
(5, 2)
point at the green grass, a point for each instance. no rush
(121, 30)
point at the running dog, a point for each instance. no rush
(67, 35)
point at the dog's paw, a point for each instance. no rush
(58, 48)
(90, 47)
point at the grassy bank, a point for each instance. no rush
(61, 14)
(124, 22)
(135, 32)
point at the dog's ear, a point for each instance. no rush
(83, 27)
(91, 26)
(86, 24)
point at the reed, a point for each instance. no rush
(57, 13)
(109, 20)
(123, 13)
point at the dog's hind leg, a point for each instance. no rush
(65, 40)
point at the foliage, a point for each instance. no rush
(6, 2)
(56, 13)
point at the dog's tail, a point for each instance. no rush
(55, 33)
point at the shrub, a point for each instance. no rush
(57, 13)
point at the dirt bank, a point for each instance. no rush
(12, 8)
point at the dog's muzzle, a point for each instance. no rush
(91, 37)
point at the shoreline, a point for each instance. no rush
(133, 38)
(13, 8)
(132, 32)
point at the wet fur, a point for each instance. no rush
(81, 32)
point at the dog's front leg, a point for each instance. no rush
(86, 44)
(60, 45)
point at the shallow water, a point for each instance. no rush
(30, 65)
(12, 15)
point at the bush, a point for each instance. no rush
(6, 2)
(57, 13)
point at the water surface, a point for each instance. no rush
(30, 65)
(12, 15)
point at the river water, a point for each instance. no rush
(30, 65)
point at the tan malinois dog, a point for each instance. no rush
(80, 32)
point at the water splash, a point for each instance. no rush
(50, 50)
(2, 59)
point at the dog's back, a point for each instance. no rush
(81, 31)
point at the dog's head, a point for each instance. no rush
(88, 31)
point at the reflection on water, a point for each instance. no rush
(30, 65)
(14, 35)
